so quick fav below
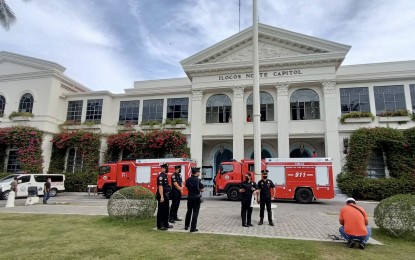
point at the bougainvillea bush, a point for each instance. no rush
(398, 148)
(152, 144)
(87, 144)
(28, 143)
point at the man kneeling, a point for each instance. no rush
(354, 223)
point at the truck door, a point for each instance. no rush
(24, 182)
(125, 176)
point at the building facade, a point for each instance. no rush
(304, 93)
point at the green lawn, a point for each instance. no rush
(26, 236)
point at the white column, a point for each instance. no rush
(332, 140)
(238, 119)
(47, 151)
(196, 140)
(102, 150)
(283, 113)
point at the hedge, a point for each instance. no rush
(79, 181)
(361, 187)
(4, 174)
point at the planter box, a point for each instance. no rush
(22, 118)
(394, 119)
(178, 126)
(81, 127)
(126, 129)
(363, 120)
(149, 127)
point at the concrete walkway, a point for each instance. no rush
(220, 216)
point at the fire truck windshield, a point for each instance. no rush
(104, 169)
(225, 168)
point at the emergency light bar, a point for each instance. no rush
(298, 159)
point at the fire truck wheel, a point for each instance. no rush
(109, 191)
(304, 196)
(233, 193)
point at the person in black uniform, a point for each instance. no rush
(176, 193)
(265, 198)
(247, 188)
(194, 186)
(162, 196)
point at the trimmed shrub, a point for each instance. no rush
(132, 203)
(4, 174)
(79, 181)
(396, 215)
(360, 187)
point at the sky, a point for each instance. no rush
(109, 44)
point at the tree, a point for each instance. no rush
(7, 16)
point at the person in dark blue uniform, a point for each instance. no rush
(162, 196)
(176, 193)
(265, 198)
(247, 189)
(195, 187)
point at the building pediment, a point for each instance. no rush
(276, 48)
(11, 63)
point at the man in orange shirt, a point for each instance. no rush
(354, 223)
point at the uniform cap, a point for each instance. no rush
(264, 172)
(195, 170)
(350, 200)
(177, 167)
(164, 165)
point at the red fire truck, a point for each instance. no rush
(141, 172)
(302, 179)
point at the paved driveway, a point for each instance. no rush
(220, 216)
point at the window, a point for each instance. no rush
(305, 105)
(94, 110)
(26, 103)
(104, 170)
(125, 168)
(153, 110)
(218, 109)
(2, 105)
(74, 111)
(412, 91)
(376, 167)
(177, 108)
(73, 161)
(13, 162)
(266, 107)
(129, 112)
(226, 168)
(24, 179)
(354, 100)
(45, 177)
(389, 99)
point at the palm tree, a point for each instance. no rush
(7, 17)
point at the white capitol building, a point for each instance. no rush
(304, 91)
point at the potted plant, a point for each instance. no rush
(20, 116)
(177, 123)
(395, 116)
(150, 125)
(357, 117)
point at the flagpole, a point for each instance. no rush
(256, 114)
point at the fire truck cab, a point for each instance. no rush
(140, 172)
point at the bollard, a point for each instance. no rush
(10, 200)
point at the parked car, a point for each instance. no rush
(27, 180)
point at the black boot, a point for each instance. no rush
(261, 221)
(271, 223)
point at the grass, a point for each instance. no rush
(26, 236)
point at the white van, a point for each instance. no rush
(27, 180)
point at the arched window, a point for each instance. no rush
(2, 105)
(218, 109)
(73, 161)
(26, 103)
(266, 107)
(305, 105)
